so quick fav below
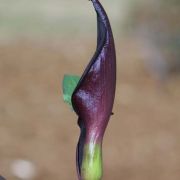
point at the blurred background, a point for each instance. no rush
(41, 40)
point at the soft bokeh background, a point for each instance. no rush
(41, 40)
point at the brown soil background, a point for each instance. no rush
(141, 141)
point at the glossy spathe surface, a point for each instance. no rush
(93, 97)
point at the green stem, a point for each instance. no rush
(91, 168)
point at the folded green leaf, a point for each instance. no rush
(69, 84)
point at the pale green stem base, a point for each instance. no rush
(91, 168)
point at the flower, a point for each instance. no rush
(93, 99)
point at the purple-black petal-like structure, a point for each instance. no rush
(93, 97)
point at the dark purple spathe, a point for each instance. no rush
(93, 97)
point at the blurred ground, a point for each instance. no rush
(142, 139)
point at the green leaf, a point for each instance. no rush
(69, 84)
